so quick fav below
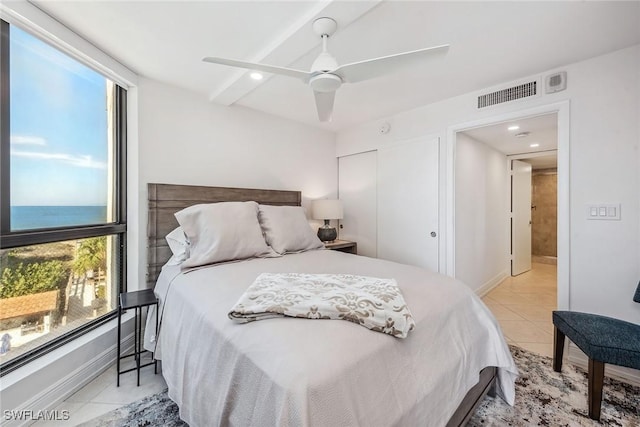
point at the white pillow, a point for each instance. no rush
(287, 230)
(179, 245)
(220, 232)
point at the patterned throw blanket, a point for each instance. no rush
(376, 304)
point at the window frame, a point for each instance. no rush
(15, 239)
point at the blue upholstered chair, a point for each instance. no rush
(603, 340)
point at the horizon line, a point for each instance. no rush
(33, 206)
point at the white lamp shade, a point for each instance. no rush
(327, 209)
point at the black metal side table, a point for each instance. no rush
(137, 300)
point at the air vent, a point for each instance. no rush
(506, 95)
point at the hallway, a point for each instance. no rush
(523, 306)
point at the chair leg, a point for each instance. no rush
(596, 379)
(558, 349)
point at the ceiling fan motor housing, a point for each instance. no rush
(325, 81)
(324, 62)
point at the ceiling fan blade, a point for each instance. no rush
(324, 104)
(371, 68)
(290, 72)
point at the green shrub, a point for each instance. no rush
(31, 278)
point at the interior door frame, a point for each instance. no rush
(527, 156)
(562, 109)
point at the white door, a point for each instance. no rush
(520, 217)
(408, 203)
(357, 190)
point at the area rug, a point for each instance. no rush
(548, 398)
(543, 398)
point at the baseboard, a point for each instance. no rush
(543, 259)
(627, 375)
(491, 283)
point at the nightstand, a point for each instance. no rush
(136, 300)
(342, 246)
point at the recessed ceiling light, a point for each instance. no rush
(534, 145)
(514, 127)
(256, 76)
(522, 134)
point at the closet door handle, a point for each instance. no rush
(433, 234)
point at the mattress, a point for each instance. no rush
(308, 372)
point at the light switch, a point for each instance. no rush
(604, 211)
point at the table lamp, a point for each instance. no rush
(327, 210)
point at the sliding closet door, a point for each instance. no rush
(408, 203)
(357, 190)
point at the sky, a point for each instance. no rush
(58, 127)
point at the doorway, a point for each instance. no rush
(530, 146)
(534, 210)
(524, 296)
(492, 221)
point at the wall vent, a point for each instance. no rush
(506, 95)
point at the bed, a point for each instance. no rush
(300, 372)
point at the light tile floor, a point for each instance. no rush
(523, 306)
(101, 395)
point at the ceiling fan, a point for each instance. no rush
(326, 76)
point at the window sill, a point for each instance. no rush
(47, 381)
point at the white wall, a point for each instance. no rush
(482, 239)
(185, 139)
(605, 138)
(604, 101)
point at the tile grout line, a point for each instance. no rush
(527, 289)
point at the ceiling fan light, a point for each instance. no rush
(325, 82)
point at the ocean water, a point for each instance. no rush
(34, 217)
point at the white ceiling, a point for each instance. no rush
(541, 130)
(543, 162)
(491, 43)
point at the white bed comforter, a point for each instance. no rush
(301, 372)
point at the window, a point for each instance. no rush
(62, 200)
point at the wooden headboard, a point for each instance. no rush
(167, 199)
